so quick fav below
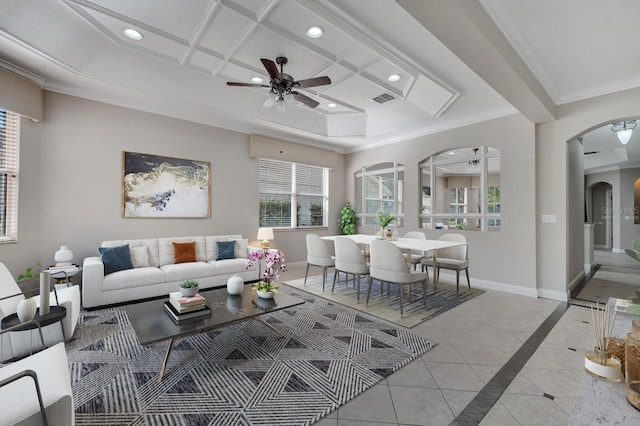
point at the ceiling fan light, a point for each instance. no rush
(288, 97)
(315, 32)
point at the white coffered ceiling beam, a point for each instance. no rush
(465, 28)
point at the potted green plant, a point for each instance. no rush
(29, 274)
(348, 220)
(384, 219)
(189, 288)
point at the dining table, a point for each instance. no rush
(406, 244)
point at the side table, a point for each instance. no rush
(64, 276)
(56, 314)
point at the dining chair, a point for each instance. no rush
(389, 265)
(319, 253)
(416, 255)
(349, 260)
(452, 258)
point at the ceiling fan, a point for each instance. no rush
(283, 85)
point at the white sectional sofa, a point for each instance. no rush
(156, 274)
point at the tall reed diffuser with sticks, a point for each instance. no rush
(600, 363)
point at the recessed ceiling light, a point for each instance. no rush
(315, 32)
(451, 153)
(133, 34)
(256, 80)
(394, 77)
(332, 105)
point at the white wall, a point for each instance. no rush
(576, 211)
(574, 119)
(502, 260)
(71, 181)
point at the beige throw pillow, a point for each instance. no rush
(139, 257)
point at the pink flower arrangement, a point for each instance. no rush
(274, 263)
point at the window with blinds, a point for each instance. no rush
(9, 137)
(292, 195)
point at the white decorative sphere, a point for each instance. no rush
(63, 256)
(26, 310)
(235, 285)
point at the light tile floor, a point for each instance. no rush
(475, 340)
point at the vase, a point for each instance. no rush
(189, 292)
(26, 310)
(63, 256)
(45, 292)
(632, 369)
(235, 285)
(265, 294)
(388, 234)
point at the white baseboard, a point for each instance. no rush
(488, 285)
(617, 250)
(483, 284)
(576, 281)
(553, 295)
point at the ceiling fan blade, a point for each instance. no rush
(305, 99)
(233, 83)
(271, 68)
(311, 82)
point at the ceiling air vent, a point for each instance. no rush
(384, 98)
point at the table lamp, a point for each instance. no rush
(265, 234)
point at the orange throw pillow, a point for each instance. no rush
(184, 252)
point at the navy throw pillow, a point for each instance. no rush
(226, 250)
(116, 258)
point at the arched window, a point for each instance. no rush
(461, 189)
(380, 187)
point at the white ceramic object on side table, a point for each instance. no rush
(63, 256)
(235, 285)
(26, 310)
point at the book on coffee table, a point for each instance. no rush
(184, 304)
(187, 316)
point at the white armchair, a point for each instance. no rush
(36, 388)
(20, 343)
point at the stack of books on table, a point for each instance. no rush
(59, 269)
(181, 308)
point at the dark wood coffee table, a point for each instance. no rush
(152, 324)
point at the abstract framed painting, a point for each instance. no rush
(164, 187)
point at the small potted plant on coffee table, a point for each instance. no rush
(189, 288)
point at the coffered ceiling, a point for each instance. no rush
(458, 60)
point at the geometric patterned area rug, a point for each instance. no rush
(244, 374)
(386, 305)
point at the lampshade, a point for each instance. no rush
(623, 130)
(265, 234)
